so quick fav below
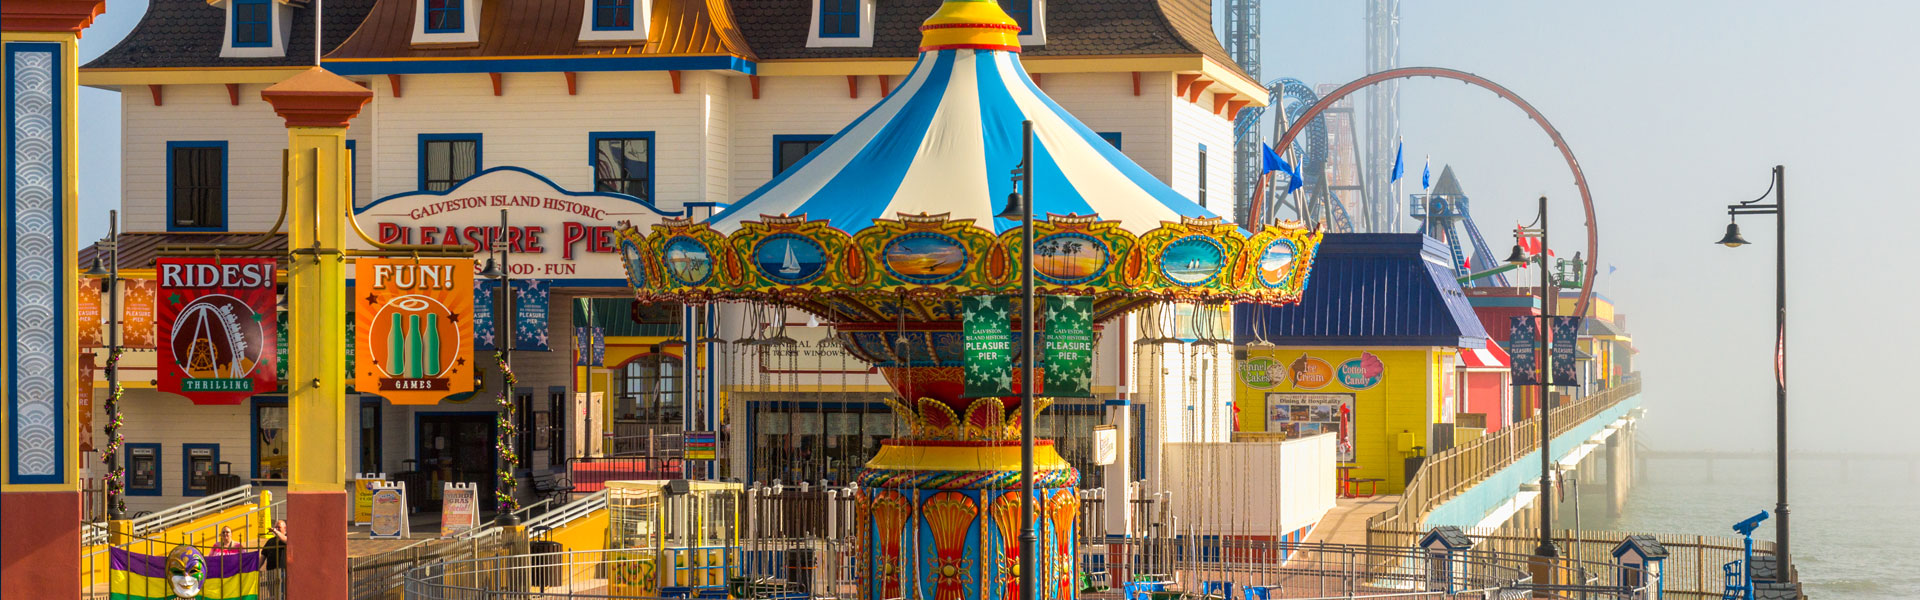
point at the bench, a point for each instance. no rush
(552, 484)
(1353, 484)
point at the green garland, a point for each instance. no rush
(504, 443)
(115, 479)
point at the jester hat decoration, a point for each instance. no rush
(186, 571)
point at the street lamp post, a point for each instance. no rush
(1778, 189)
(1544, 375)
(1024, 211)
(503, 344)
(115, 484)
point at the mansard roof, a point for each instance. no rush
(521, 28)
(190, 33)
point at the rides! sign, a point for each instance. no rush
(217, 328)
(411, 320)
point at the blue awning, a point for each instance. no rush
(1372, 289)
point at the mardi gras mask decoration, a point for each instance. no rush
(186, 570)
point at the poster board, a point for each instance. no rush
(389, 519)
(1301, 415)
(459, 508)
(363, 496)
(702, 445)
(1106, 444)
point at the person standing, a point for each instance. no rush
(226, 544)
(273, 558)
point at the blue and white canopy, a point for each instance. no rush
(947, 141)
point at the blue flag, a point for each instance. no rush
(1426, 174)
(1399, 166)
(1270, 161)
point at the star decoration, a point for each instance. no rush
(371, 298)
(453, 318)
(174, 298)
(460, 361)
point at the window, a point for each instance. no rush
(270, 438)
(557, 427)
(840, 18)
(612, 15)
(197, 186)
(446, 159)
(523, 409)
(143, 469)
(252, 23)
(648, 389)
(1201, 197)
(370, 431)
(623, 163)
(789, 150)
(446, 16)
(1022, 13)
(1112, 137)
(198, 464)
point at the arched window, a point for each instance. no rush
(648, 389)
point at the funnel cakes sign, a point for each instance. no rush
(551, 233)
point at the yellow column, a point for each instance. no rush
(317, 106)
(39, 273)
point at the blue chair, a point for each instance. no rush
(1223, 589)
(1137, 590)
(1259, 592)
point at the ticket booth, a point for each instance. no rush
(1445, 549)
(1641, 559)
(673, 538)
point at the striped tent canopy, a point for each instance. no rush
(896, 213)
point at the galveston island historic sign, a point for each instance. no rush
(552, 233)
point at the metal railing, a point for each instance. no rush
(95, 534)
(1692, 568)
(1450, 472)
(561, 515)
(591, 473)
(379, 576)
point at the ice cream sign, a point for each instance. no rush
(1310, 373)
(1362, 373)
(551, 233)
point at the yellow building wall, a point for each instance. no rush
(585, 533)
(1405, 399)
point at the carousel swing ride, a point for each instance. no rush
(887, 233)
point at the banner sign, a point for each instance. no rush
(363, 484)
(1523, 348)
(1301, 415)
(92, 330)
(409, 342)
(459, 511)
(555, 233)
(702, 445)
(217, 329)
(280, 350)
(987, 325)
(1566, 338)
(86, 401)
(530, 314)
(1069, 352)
(589, 347)
(136, 312)
(389, 520)
(484, 305)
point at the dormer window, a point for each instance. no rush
(839, 18)
(612, 22)
(841, 24)
(447, 22)
(252, 23)
(255, 28)
(613, 15)
(446, 16)
(1032, 17)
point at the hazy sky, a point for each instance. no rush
(1675, 109)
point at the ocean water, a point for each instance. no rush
(1856, 530)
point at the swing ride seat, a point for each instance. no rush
(1221, 590)
(1259, 592)
(1138, 590)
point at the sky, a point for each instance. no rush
(1675, 109)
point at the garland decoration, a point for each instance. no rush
(115, 479)
(504, 442)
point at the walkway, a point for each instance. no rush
(1347, 522)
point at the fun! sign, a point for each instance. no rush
(411, 320)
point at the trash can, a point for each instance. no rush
(545, 564)
(800, 567)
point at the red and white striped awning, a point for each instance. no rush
(1490, 357)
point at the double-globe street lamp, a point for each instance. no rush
(503, 344)
(1543, 375)
(115, 482)
(1020, 206)
(1777, 189)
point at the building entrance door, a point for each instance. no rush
(456, 448)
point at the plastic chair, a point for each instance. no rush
(1259, 592)
(1217, 589)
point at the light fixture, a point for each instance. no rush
(96, 270)
(1016, 206)
(1518, 258)
(492, 271)
(1732, 239)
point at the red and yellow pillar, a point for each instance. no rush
(317, 106)
(39, 349)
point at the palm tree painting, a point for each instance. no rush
(1069, 258)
